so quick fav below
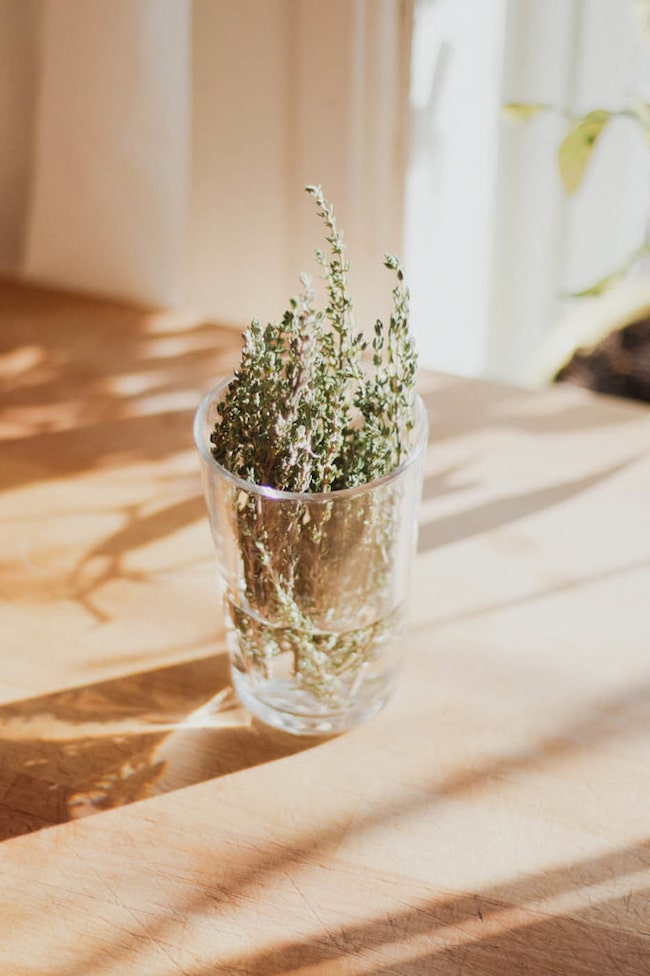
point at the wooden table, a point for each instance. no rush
(494, 820)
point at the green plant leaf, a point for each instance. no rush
(522, 111)
(599, 287)
(614, 277)
(576, 148)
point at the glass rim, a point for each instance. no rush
(200, 418)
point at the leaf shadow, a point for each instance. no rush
(591, 915)
(502, 511)
(459, 406)
(79, 397)
(492, 931)
(602, 935)
(498, 606)
(86, 749)
(105, 562)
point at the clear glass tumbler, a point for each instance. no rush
(314, 585)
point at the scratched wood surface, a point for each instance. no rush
(494, 820)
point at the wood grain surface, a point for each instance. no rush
(494, 820)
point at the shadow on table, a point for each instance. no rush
(588, 916)
(458, 406)
(501, 930)
(510, 929)
(124, 390)
(83, 750)
(89, 383)
(502, 511)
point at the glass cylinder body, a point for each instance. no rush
(314, 586)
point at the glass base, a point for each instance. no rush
(283, 705)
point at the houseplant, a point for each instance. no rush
(312, 465)
(603, 342)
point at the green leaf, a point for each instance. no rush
(614, 277)
(599, 287)
(576, 148)
(522, 111)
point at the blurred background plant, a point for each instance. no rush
(609, 351)
(573, 157)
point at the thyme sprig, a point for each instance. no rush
(304, 412)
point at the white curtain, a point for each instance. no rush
(159, 148)
(111, 149)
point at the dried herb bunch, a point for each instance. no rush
(306, 412)
(303, 413)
